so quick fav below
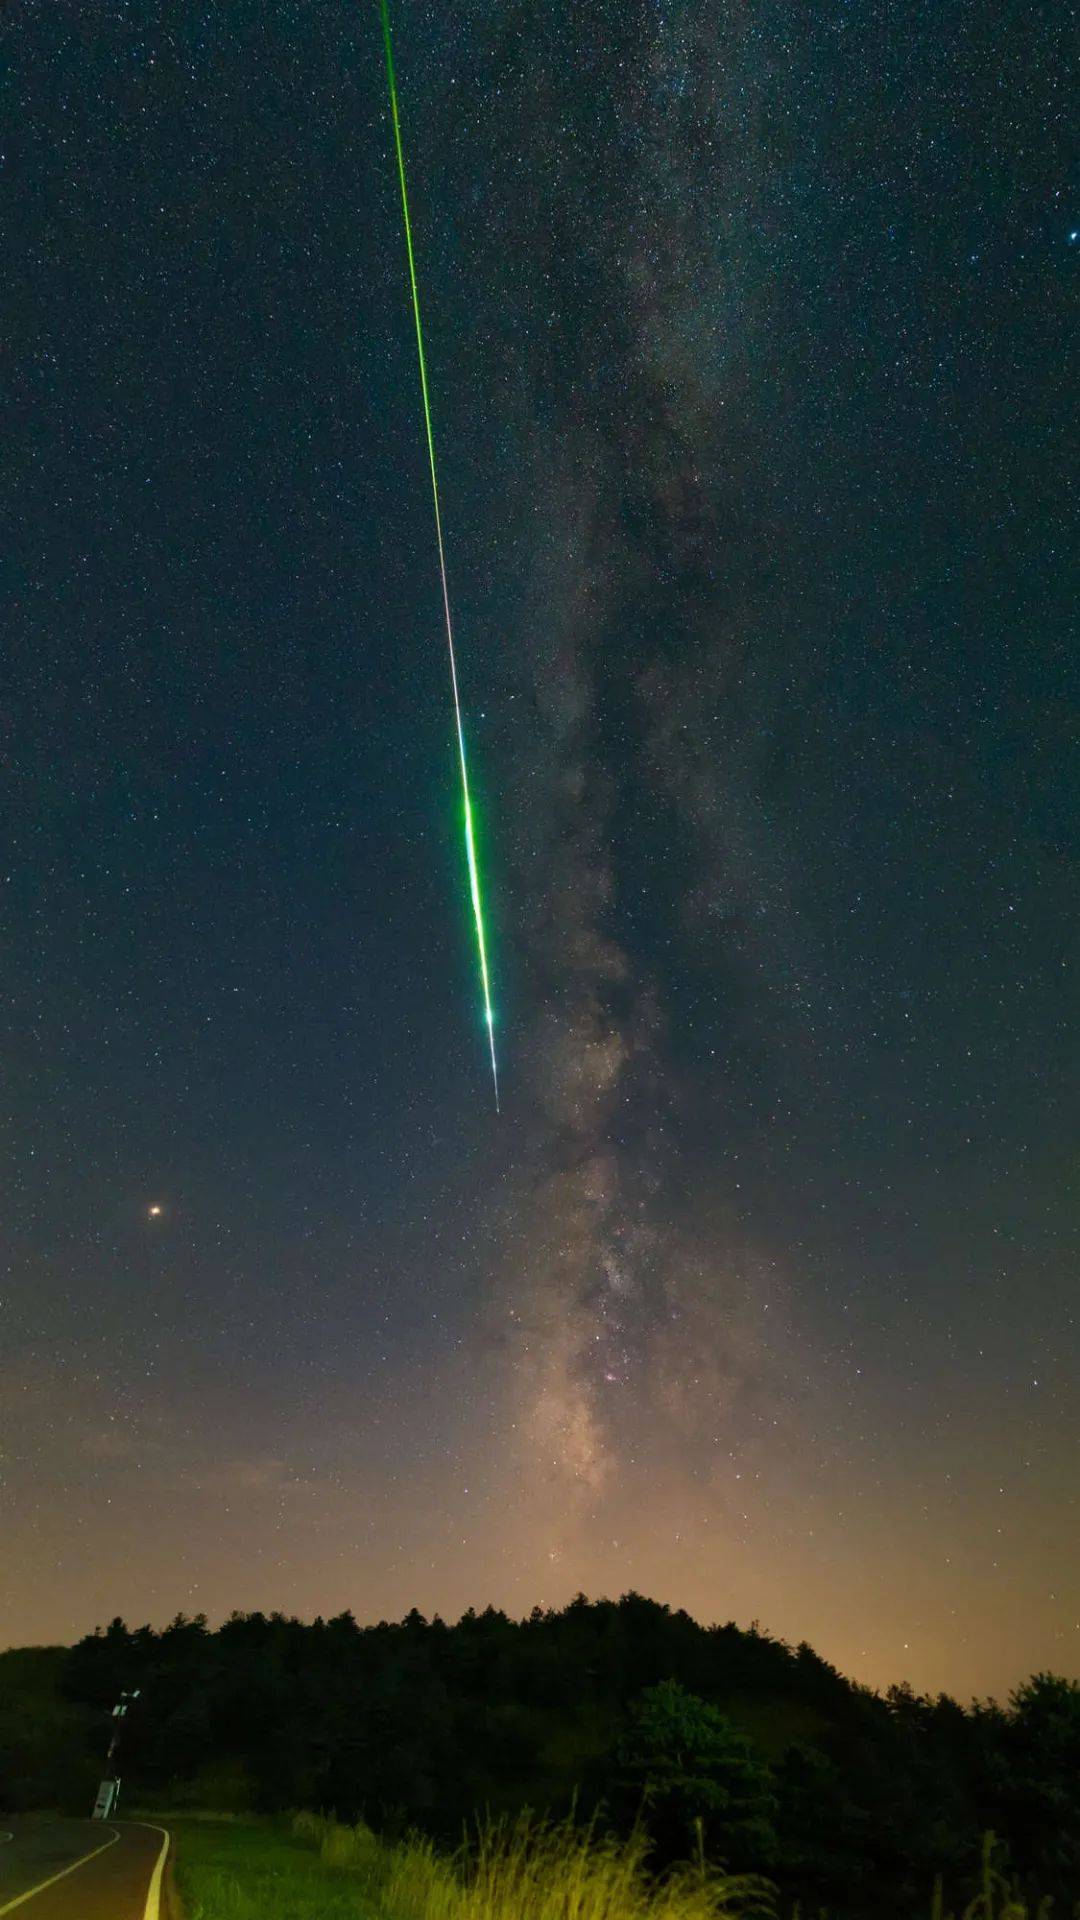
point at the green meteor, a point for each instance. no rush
(470, 837)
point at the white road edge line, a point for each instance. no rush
(152, 1909)
(21, 1898)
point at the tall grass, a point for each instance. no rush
(511, 1870)
(527, 1869)
(998, 1897)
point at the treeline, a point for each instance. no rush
(852, 1800)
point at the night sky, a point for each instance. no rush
(748, 329)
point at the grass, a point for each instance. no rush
(314, 1868)
(519, 1870)
(997, 1898)
(253, 1870)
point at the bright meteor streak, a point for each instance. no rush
(470, 838)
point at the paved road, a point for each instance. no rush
(80, 1869)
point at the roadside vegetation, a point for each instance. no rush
(725, 1747)
(242, 1869)
(316, 1868)
(508, 1870)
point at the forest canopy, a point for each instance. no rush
(625, 1710)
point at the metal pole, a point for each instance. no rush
(109, 1790)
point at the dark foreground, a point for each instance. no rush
(80, 1869)
(849, 1801)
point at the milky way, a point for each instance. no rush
(750, 339)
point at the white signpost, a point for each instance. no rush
(106, 1799)
(109, 1790)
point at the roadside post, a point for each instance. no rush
(106, 1799)
(108, 1792)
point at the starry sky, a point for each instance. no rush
(748, 331)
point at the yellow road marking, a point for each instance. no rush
(62, 1875)
(153, 1893)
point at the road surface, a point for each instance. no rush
(80, 1869)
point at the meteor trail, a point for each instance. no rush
(470, 838)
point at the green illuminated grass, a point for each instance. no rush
(517, 1871)
(253, 1870)
(316, 1869)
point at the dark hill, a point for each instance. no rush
(420, 1723)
